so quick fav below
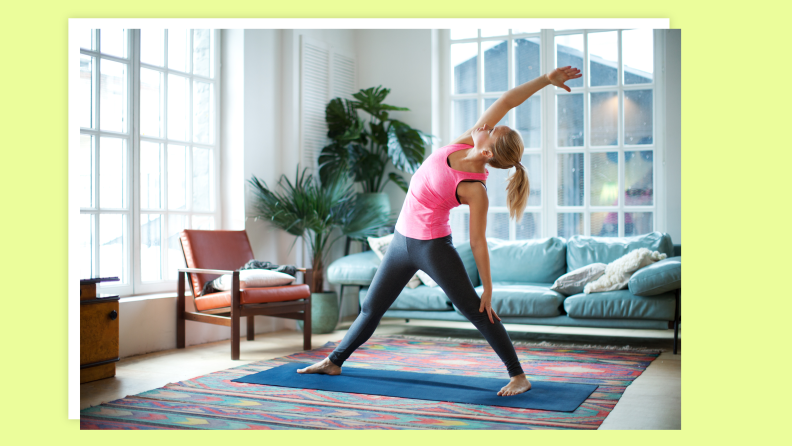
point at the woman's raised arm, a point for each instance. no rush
(516, 96)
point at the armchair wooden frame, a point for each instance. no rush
(230, 316)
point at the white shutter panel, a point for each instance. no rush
(325, 74)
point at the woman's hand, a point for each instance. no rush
(486, 304)
(558, 76)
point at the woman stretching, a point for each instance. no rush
(453, 175)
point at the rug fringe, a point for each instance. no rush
(533, 344)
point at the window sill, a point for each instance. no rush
(153, 296)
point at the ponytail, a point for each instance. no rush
(518, 190)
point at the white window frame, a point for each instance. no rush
(549, 151)
(132, 255)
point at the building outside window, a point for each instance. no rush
(590, 154)
(148, 151)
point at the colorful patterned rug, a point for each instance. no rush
(215, 402)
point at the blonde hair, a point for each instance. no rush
(507, 152)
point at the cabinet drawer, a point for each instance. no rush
(98, 332)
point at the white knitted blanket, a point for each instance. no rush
(618, 273)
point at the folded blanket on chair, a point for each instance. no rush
(253, 264)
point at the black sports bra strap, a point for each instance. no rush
(469, 181)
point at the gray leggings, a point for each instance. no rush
(439, 259)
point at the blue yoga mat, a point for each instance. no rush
(544, 395)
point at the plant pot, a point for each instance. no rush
(324, 313)
(375, 199)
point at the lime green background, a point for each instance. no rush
(736, 167)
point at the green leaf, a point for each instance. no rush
(406, 146)
(399, 180)
(343, 123)
(333, 162)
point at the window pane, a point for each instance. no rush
(570, 179)
(497, 225)
(569, 51)
(605, 224)
(496, 66)
(203, 222)
(638, 56)
(152, 46)
(202, 176)
(529, 227)
(464, 33)
(603, 58)
(150, 251)
(569, 224)
(202, 53)
(487, 103)
(637, 223)
(638, 178)
(203, 100)
(527, 56)
(152, 102)
(176, 223)
(605, 179)
(114, 42)
(493, 32)
(112, 246)
(150, 175)
(526, 29)
(465, 115)
(87, 246)
(87, 170)
(113, 96)
(528, 116)
(177, 177)
(87, 39)
(570, 120)
(638, 124)
(460, 227)
(86, 91)
(464, 59)
(178, 49)
(178, 107)
(112, 173)
(496, 186)
(604, 119)
(533, 165)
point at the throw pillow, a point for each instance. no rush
(380, 246)
(253, 278)
(618, 273)
(663, 276)
(574, 281)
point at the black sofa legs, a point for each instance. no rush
(676, 320)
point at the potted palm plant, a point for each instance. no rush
(365, 151)
(312, 211)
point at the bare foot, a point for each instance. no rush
(325, 366)
(517, 384)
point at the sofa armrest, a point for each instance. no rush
(354, 269)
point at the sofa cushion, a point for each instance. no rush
(466, 254)
(585, 250)
(253, 296)
(421, 297)
(575, 281)
(538, 260)
(658, 278)
(620, 304)
(523, 299)
(354, 269)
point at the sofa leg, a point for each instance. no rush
(307, 325)
(180, 322)
(250, 328)
(235, 316)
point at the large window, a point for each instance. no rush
(149, 151)
(593, 149)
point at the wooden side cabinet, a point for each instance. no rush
(98, 335)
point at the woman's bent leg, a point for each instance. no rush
(392, 275)
(439, 259)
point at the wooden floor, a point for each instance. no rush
(653, 401)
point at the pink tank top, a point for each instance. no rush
(432, 195)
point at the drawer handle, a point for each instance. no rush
(113, 315)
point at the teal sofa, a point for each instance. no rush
(523, 272)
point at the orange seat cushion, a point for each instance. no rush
(253, 296)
